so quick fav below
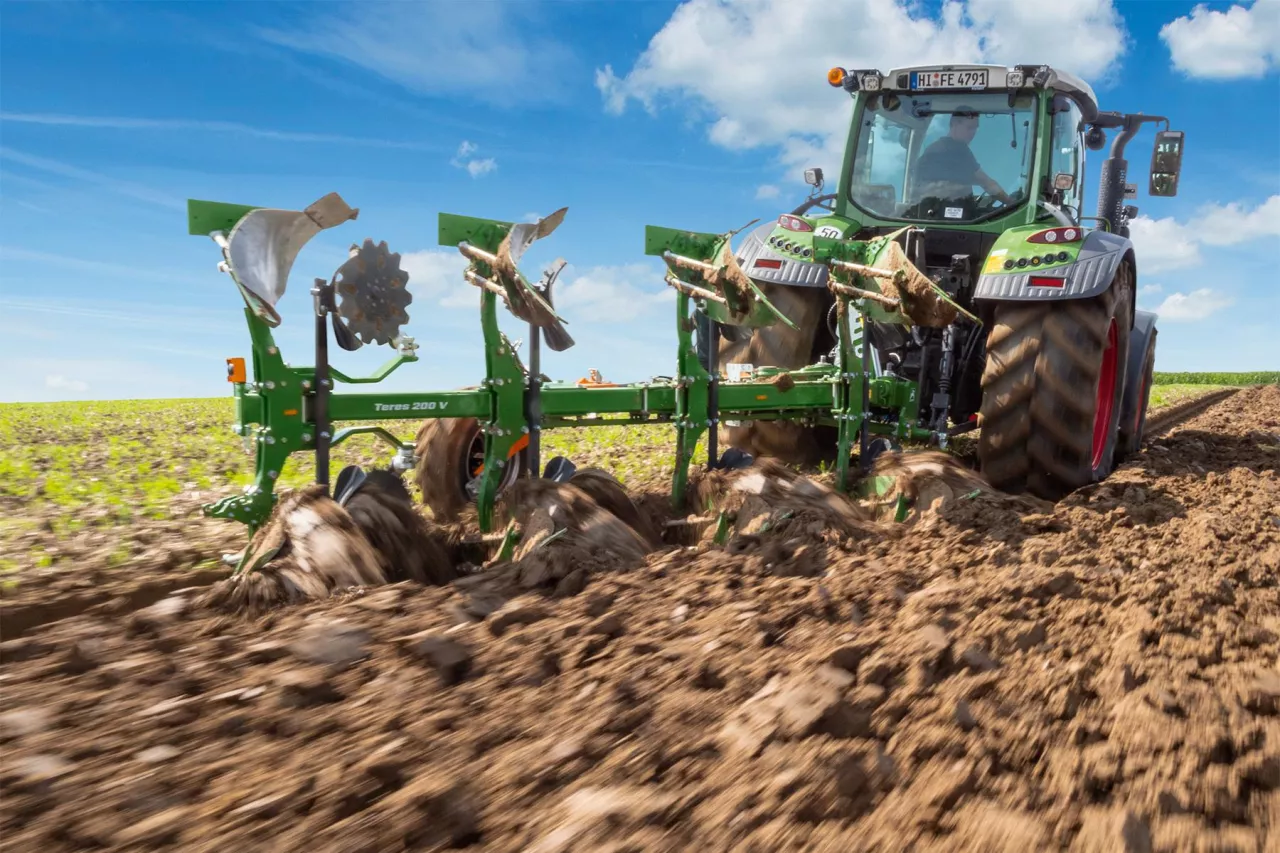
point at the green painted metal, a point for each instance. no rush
(274, 404)
(206, 217)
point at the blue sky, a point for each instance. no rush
(700, 114)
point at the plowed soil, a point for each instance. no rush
(1098, 675)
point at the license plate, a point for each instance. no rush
(972, 79)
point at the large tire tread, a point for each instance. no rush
(1039, 390)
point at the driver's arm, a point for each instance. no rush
(985, 181)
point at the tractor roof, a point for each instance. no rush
(1060, 81)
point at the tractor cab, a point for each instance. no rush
(964, 146)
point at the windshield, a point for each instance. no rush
(943, 157)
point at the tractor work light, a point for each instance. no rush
(870, 82)
(1015, 79)
(793, 223)
(1057, 235)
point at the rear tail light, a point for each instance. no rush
(1057, 235)
(769, 263)
(1046, 281)
(794, 223)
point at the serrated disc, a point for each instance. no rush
(373, 293)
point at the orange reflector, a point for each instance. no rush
(835, 76)
(235, 370)
(762, 396)
(290, 412)
(521, 443)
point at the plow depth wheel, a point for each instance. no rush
(450, 455)
(1052, 391)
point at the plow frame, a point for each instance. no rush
(282, 410)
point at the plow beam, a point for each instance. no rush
(703, 267)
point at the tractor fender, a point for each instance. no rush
(791, 272)
(1091, 274)
(1144, 329)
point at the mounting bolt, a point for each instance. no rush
(271, 440)
(272, 475)
(324, 433)
(306, 436)
(306, 385)
(272, 350)
(271, 386)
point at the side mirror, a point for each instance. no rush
(1064, 181)
(813, 177)
(1166, 163)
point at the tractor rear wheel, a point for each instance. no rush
(450, 455)
(1052, 391)
(789, 349)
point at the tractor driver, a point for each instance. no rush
(948, 169)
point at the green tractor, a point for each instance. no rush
(978, 173)
(904, 308)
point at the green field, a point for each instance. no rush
(1263, 377)
(68, 467)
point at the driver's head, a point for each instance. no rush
(964, 124)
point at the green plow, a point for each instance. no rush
(283, 409)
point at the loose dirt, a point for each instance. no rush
(999, 675)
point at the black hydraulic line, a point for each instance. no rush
(533, 401)
(863, 433)
(713, 395)
(322, 295)
(941, 402)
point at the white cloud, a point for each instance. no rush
(66, 170)
(1232, 224)
(474, 166)
(1150, 290)
(767, 191)
(58, 382)
(1243, 41)
(772, 99)
(617, 294)
(1166, 244)
(1163, 244)
(478, 50)
(434, 275)
(207, 126)
(1196, 305)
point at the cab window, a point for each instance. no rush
(1068, 151)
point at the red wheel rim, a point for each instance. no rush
(1106, 397)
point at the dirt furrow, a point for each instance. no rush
(1098, 675)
